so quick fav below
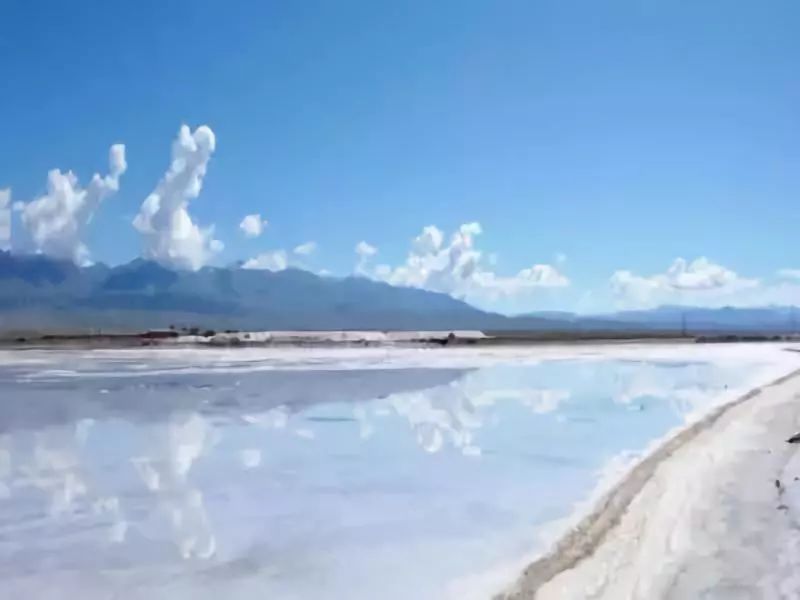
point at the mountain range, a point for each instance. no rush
(41, 293)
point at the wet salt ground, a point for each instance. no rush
(136, 481)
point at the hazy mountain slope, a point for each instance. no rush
(42, 293)
(142, 293)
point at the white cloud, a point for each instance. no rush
(433, 265)
(700, 274)
(278, 260)
(536, 276)
(275, 260)
(57, 220)
(431, 238)
(789, 273)
(5, 219)
(365, 249)
(699, 282)
(365, 252)
(168, 232)
(459, 268)
(305, 249)
(253, 225)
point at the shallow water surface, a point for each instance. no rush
(127, 477)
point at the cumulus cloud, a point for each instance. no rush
(457, 267)
(169, 235)
(278, 260)
(700, 282)
(432, 264)
(365, 252)
(57, 220)
(365, 249)
(536, 276)
(275, 260)
(253, 225)
(305, 249)
(5, 219)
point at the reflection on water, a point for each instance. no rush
(308, 484)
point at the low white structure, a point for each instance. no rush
(332, 337)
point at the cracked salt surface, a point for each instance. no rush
(325, 473)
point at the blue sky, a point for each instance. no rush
(591, 138)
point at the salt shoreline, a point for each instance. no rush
(710, 483)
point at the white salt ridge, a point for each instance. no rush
(710, 521)
(327, 337)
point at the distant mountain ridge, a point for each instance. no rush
(768, 319)
(38, 292)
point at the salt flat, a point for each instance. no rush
(328, 472)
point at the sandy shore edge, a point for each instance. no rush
(582, 542)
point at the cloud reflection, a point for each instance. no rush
(169, 442)
(173, 448)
